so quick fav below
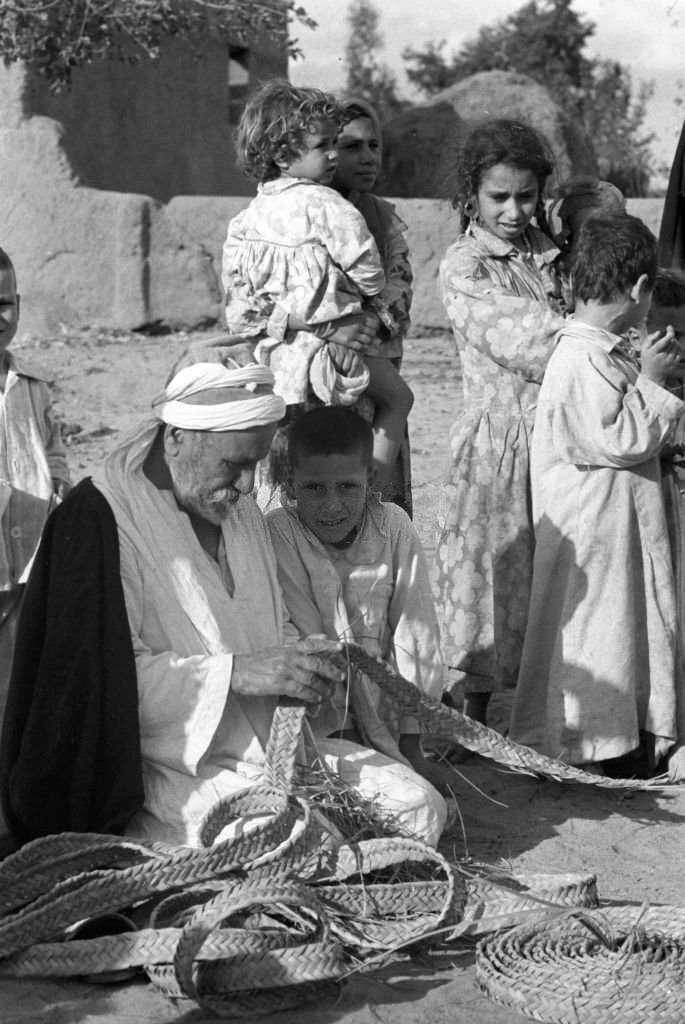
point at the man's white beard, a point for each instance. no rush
(210, 505)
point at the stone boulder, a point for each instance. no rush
(419, 143)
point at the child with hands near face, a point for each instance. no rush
(352, 568)
(601, 679)
(300, 261)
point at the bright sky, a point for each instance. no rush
(648, 36)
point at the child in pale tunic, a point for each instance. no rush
(600, 674)
(33, 470)
(352, 568)
(300, 257)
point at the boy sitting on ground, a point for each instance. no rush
(352, 568)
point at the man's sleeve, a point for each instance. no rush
(181, 699)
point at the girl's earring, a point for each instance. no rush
(471, 210)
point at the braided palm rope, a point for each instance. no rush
(248, 924)
(441, 721)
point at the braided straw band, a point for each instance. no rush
(439, 720)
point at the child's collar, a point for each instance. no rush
(542, 248)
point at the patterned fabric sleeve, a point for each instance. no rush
(394, 302)
(515, 331)
(351, 245)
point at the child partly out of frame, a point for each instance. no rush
(33, 469)
(300, 258)
(352, 567)
(600, 675)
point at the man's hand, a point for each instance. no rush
(304, 671)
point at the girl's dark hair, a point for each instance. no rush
(500, 141)
(612, 252)
(330, 430)
(274, 122)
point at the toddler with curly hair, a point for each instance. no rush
(300, 260)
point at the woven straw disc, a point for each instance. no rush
(562, 972)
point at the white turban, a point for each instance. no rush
(249, 410)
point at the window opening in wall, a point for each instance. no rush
(238, 80)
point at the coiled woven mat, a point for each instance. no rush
(273, 916)
(615, 966)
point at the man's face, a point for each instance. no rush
(210, 470)
(330, 491)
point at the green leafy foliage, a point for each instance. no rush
(547, 40)
(57, 36)
(367, 77)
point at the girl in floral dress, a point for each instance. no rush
(496, 282)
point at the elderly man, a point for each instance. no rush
(212, 649)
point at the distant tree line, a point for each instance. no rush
(544, 39)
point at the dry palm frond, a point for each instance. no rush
(352, 816)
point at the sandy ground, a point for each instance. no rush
(633, 844)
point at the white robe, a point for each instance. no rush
(199, 740)
(600, 654)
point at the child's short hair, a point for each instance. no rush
(6, 264)
(274, 122)
(330, 430)
(611, 254)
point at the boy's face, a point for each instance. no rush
(9, 308)
(330, 491)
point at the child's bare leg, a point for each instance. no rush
(394, 400)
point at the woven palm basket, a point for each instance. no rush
(621, 965)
